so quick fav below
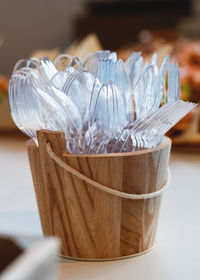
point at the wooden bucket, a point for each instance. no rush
(92, 223)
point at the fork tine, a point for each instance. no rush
(161, 121)
(167, 120)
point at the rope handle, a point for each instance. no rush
(105, 188)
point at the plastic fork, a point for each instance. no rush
(148, 132)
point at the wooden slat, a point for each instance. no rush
(143, 173)
(54, 185)
(40, 190)
(80, 206)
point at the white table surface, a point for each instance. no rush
(177, 254)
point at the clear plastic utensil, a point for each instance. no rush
(163, 71)
(78, 87)
(47, 67)
(33, 109)
(102, 104)
(147, 91)
(24, 103)
(65, 61)
(174, 89)
(149, 131)
(90, 62)
(111, 70)
(108, 109)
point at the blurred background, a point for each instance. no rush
(47, 27)
(26, 26)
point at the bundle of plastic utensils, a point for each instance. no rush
(102, 104)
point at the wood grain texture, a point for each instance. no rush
(93, 224)
(39, 186)
(143, 173)
(54, 185)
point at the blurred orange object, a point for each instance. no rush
(4, 81)
(187, 54)
(6, 122)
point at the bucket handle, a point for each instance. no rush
(101, 187)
